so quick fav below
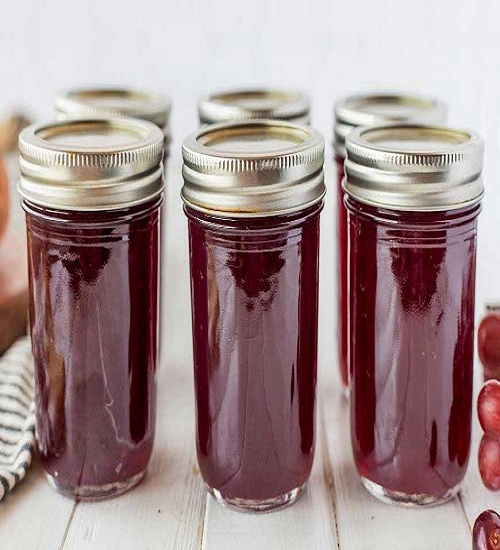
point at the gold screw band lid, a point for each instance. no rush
(414, 167)
(253, 169)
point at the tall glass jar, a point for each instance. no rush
(112, 102)
(253, 194)
(351, 112)
(413, 196)
(240, 105)
(92, 192)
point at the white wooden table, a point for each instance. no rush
(170, 508)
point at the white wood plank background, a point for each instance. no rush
(170, 509)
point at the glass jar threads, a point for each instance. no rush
(92, 191)
(413, 196)
(351, 112)
(254, 104)
(253, 193)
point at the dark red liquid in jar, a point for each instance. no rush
(93, 316)
(255, 315)
(412, 278)
(342, 286)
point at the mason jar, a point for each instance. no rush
(413, 196)
(240, 105)
(253, 194)
(349, 113)
(124, 102)
(92, 191)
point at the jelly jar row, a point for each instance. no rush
(408, 197)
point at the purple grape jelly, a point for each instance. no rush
(255, 350)
(412, 401)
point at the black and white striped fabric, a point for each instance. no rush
(17, 415)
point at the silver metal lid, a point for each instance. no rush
(414, 167)
(380, 109)
(254, 104)
(253, 169)
(115, 102)
(99, 164)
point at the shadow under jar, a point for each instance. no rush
(92, 191)
(413, 196)
(253, 195)
(351, 112)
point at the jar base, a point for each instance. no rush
(96, 492)
(408, 500)
(258, 506)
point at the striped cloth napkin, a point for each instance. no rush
(17, 414)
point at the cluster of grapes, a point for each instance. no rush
(488, 403)
(488, 410)
(486, 532)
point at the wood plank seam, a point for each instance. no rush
(195, 491)
(462, 506)
(201, 532)
(205, 521)
(328, 471)
(70, 519)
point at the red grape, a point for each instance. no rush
(486, 532)
(489, 462)
(488, 408)
(488, 345)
